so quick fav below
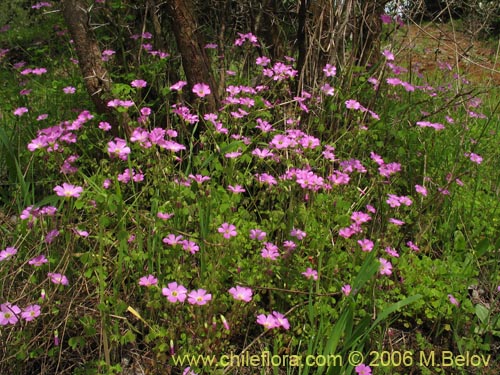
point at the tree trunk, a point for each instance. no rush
(368, 31)
(96, 78)
(267, 29)
(189, 43)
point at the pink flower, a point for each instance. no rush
(224, 322)
(146, 111)
(68, 190)
(270, 251)
(172, 239)
(346, 289)
(262, 61)
(412, 246)
(360, 217)
(346, 232)
(69, 90)
(395, 201)
(388, 55)
(81, 233)
(190, 246)
(199, 178)
(421, 190)
(9, 313)
(201, 89)
(227, 230)
(408, 86)
(297, 233)
(310, 273)
(330, 70)
(20, 111)
(428, 124)
(49, 238)
(385, 267)
(235, 189)
(232, 155)
(164, 215)
(392, 252)
(240, 293)
(265, 178)
(257, 234)
(474, 158)
(39, 71)
(328, 90)
(58, 278)
(106, 183)
(281, 321)
(264, 153)
(385, 18)
(118, 148)
(175, 292)
(41, 4)
(103, 125)
(38, 260)
(188, 371)
(7, 253)
(199, 297)
(366, 244)
(352, 104)
(363, 369)
(396, 221)
(453, 300)
(149, 280)
(138, 83)
(30, 312)
(268, 321)
(178, 85)
(387, 170)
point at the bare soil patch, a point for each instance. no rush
(434, 44)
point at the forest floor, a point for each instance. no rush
(434, 43)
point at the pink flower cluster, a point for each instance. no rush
(184, 113)
(357, 218)
(252, 39)
(385, 169)
(187, 245)
(130, 174)
(274, 320)
(32, 213)
(178, 293)
(280, 72)
(9, 313)
(51, 138)
(34, 71)
(395, 201)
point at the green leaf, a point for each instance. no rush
(459, 241)
(482, 247)
(482, 313)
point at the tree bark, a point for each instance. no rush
(368, 31)
(189, 43)
(267, 29)
(95, 75)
